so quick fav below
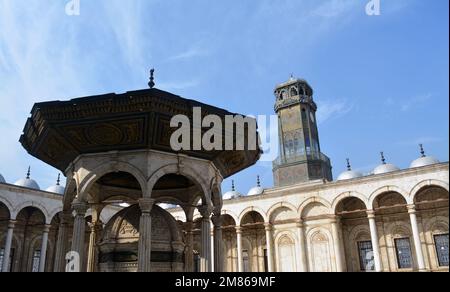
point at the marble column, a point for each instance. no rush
(375, 240)
(8, 244)
(95, 229)
(189, 252)
(44, 244)
(218, 256)
(416, 235)
(145, 235)
(79, 229)
(303, 267)
(61, 243)
(205, 255)
(239, 249)
(337, 245)
(269, 245)
(213, 268)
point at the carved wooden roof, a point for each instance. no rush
(59, 131)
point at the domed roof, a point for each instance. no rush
(27, 182)
(385, 167)
(233, 194)
(256, 191)
(2, 179)
(56, 189)
(424, 160)
(349, 174)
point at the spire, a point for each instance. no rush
(349, 166)
(152, 84)
(29, 172)
(258, 181)
(233, 189)
(422, 151)
(58, 180)
(383, 159)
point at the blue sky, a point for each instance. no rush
(381, 82)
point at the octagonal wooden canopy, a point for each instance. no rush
(59, 131)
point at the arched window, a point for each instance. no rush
(286, 254)
(294, 91)
(442, 251)
(404, 255)
(36, 260)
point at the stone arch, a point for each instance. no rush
(351, 194)
(438, 221)
(323, 256)
(8, 205)
(423, 184)
(313, 200)
(111, 167)
(232, 215)
(386, 189)
(186, 171)
(252, 209)
(33, 204)
(358, 230)
(278, 244)
(216, 192)
(55, 212)
(279, 205)
(70, 192)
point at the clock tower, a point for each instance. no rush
(300, 158)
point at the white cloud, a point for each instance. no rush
(332, 109)
(192, 52)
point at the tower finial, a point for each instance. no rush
(383, 158)
(422, 151)
(349, 166)
(291, 77)
(29, 172)
(258, 181)
(58, 180)
(152, 84)
(233, 189)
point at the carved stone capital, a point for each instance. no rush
(205, 211)
(412, 209)
(370, 214)
(11, 224)
(146, 205)
(238, 230)
(80, 208)
(268, 226)
(217, 220)
(299, 223)
(47, 228)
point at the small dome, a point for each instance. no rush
(2, 179)
(424, 160)
(233, 194)
(27, 182)
(349, 174)
(258, 190)
(57, 189)
(385, 167)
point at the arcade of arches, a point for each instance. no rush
(375, 227)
